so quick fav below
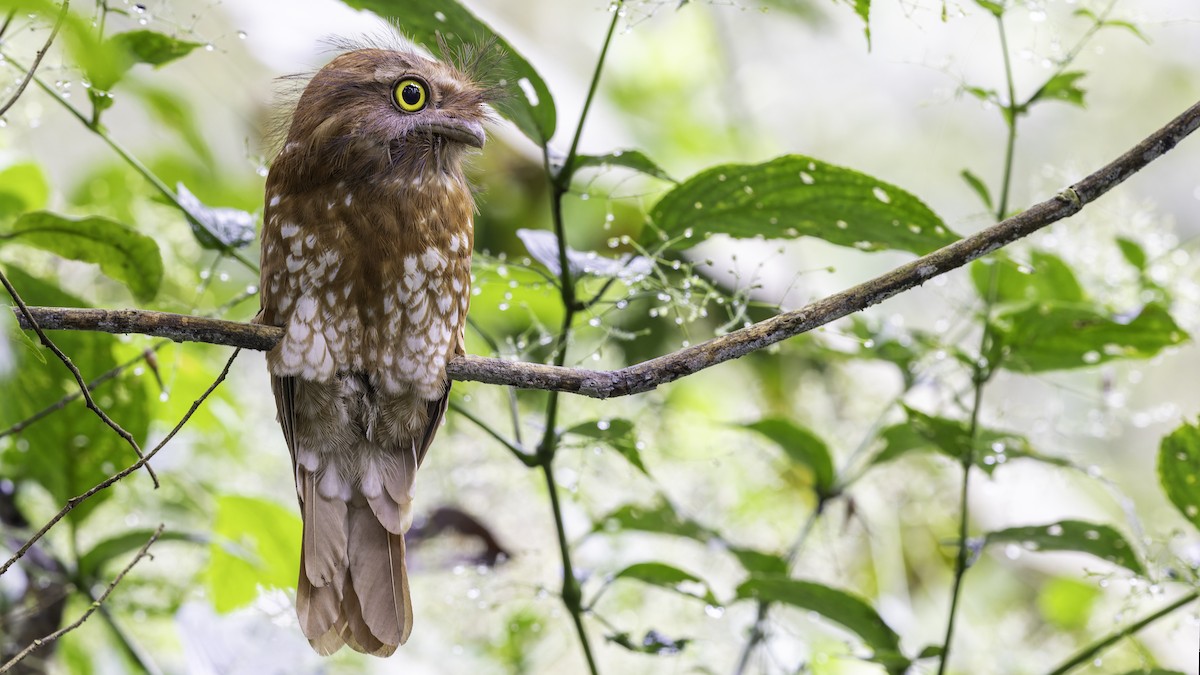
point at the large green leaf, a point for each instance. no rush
(1061, 336)
(1095, 539)
(1179, 470)
(671, 578)
(256, 543)
(527, 104)
(850, 611)
(802, 447)
(122, 252)
(795, 196)
(73, 450)
(23, 188)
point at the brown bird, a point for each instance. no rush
(366, 262)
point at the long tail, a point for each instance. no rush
(353, 586)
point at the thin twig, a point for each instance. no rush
(38, 644)
(526, 458)
(108, 482)
(648, 375)
(83, 387)
(1087, 653)
(37, 60)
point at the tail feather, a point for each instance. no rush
(325, 558)
(379, 576)
(357, 634)
(317, 609)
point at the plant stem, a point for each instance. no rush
(1011, 119)
(1096, 647)
(572, 596)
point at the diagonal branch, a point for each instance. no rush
(37, 61)
(648, 375)
(37, 644)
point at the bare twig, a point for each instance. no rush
(37, 644)
(1089, 652)
(37, 60)
(108, 482)
(650, 374)
(28, 318)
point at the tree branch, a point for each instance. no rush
(37, 644)
(650, 374)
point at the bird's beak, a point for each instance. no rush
(467, 132)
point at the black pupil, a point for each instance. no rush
(410, 94)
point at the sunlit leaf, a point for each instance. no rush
(1179, 470)
(618, 434)
(1096, 539)
(802, 447)
(669, 577)
(1063, 336)
(1046, 277)
(122, 252)
(630, 159)
(256, 543)
(845, 609)
(660, 518)
(23, 188)
(527, 104)
(794, 196)
(1068, 603)
(154, 48)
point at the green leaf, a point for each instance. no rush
(1063, 336)
(849, 611)
(654, 643)
(1133, 253)
(1096, 539)
(1067, 603)
(996, 8)
(255, 543)
(617, 434)
(122, 252)
(1045, 278)
(527, 104)
(156, 49)
(23, 188)
(802, 447)
(757, 562)
(951, 438)
(1179, 470)
(978, 186)
(660, 518)
(670, 578)
(794, 196)
(1061, 87)
(1112, 23)
(863, 9)
(630, 159)
(93, 561)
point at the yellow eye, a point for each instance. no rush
(410, 95)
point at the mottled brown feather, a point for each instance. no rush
(366, 254)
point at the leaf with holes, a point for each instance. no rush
(802, 447)
(617, 434)
(1096, 539)
(795, 196)
(845, 609)
(1179, 470)
(670, 578)
(122, 252)
(527, 102)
